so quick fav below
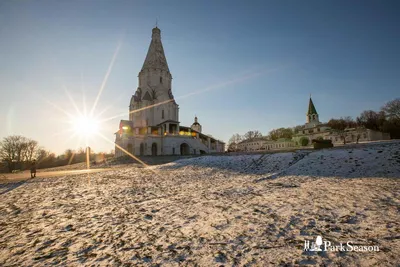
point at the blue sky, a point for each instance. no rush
(253, 64)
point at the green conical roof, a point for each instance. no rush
(311, 108)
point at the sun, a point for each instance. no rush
(85, 126)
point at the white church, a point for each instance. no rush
(153, 127)
(314, 129)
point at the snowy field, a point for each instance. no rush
(253, 210)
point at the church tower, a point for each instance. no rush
(312, 115)
(196, 125)
(153, 127)
(153, 102)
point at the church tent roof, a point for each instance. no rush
(155, 58)
(311, 108)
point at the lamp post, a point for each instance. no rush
(88, 162)
(88, 157)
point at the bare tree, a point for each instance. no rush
(392, 109)
(342, 123)
(20, 145)
(286, 133)
(252, 134)
(41, 154)
(233, 141)
(359, 131)
(338, 126)
(236, 138)
(31, 147)
(392, 123)
(297, 129)
(372, 120)
(12, 149)
(349, 122)
(46, 159)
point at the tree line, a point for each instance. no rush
(387, 120)
(18, 152)
(274, 135)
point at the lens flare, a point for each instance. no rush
(85, 126)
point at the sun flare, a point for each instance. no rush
(85, 126)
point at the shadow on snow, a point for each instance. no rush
(364, 161)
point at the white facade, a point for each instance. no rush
(143, 145)
(196, 125)
(153, 127)
(363, 135)
(314, 129)
(321, 130)
(263, 144)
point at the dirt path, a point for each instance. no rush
(25, 175)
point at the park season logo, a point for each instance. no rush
(325, 245)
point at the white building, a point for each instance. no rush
(263, 144)
(362, 134)
(153, 127)
(314, 129)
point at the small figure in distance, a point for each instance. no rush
(33, 169)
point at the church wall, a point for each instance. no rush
(169, 113)
(123, 143)
(152, 78)
(154, 115)
(136, 142)
(166, 145)
(172, 142)
(375, 135)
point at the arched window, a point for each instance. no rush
(162, 114)
(160, 79)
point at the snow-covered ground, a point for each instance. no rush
(253, 210)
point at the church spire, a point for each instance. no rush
(311, 108)
(155, 58)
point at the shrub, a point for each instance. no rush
(321, 141)
(304, 141)
(318, 144)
